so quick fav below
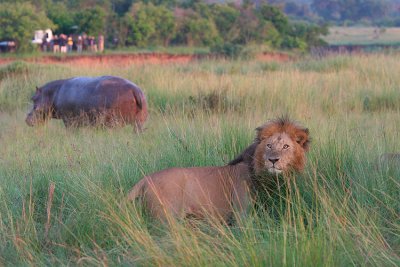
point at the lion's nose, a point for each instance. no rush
(273, 160)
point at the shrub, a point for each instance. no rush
(14, 68)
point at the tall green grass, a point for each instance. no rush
(341, 211)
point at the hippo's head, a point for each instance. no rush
(41, 110)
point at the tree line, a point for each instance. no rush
(343, 12)
(221, 26)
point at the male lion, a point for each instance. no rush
(279, 147)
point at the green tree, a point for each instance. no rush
(272, 36)
(91, 21)
(166, 26)
(38, 4)
(248, 26)
(225, 17)
(311, 34)
(352, 10)
(167, 3)
(203, 10)
(19, 21)
(276, 16)
(194, 30)
(121, 6)
(147, 24)
(139, 26)
(62, 18)
(77, 5)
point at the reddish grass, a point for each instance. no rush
(128, 59)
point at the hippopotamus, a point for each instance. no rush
(78, 101)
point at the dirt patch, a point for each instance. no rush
(6, 60)
(120, 60)
(128, 59)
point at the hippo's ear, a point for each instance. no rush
(38, 90)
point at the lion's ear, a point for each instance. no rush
(303, 138)
(259, 137)
(264, 131)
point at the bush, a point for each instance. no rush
(227, 50)
(381, 103)
(14, 68)
(232, 50)
(216, 101)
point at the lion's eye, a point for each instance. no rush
(285, 146)
(269, 146)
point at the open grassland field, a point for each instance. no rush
(363, 36)
(62, 191)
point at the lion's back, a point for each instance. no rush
(184, 191)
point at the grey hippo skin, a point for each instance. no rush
(107, 100)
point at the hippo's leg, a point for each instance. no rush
(92, 119)
(137, 127)
(139, 120)
(68, 122)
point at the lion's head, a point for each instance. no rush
(279, 147)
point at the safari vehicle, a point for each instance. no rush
(40, 35)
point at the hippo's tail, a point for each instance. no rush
(139, 98)
(141, 111)
(137, 190)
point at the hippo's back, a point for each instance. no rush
(86, 93)
(110, 95)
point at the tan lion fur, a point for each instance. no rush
(279, 147)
